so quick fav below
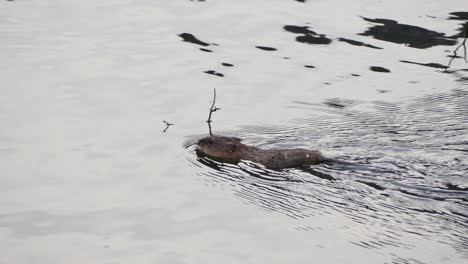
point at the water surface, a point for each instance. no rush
(88, 175)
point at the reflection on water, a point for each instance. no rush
(412, 36)
(432, 65)
(187, 37)
(379, 69)
(405, 169)
(463, 16)
(358, 43)
(307, 36)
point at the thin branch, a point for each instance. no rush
(463, 44)
(212, 109)
(167, 125)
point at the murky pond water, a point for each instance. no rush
(88, 175)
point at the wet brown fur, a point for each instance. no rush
(231, 150)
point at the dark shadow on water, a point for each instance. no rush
(459, 16)
(310, 39)
(412, 36)
(379, 69)
(432, 65)
(215, 73)
(187, 37)
(299, 30)
(358, 43)
(266, 48)
(308, 36)
(335, 103)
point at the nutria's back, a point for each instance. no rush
(231, 150)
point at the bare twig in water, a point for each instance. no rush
(212, 109)
(167, 125)
(463, 44)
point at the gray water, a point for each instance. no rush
(89, 176)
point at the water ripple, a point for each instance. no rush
(405, 168)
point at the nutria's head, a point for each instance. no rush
(224, 149)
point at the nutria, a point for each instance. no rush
(231, 150)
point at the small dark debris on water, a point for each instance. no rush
(266, 48)
(326, 83)
(309, 66)
(383, 91)
(412, 36)
(167, 125)
(379, 69)
(309, 36)
(214, 73)
(355, 75)
(301, 1)
(187, 37)
(413, 82)
(227, 64)
(432, 65)
(335, 104)
(358, 43)
(286, 58)
(205, 50)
